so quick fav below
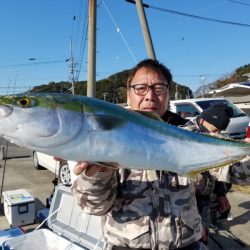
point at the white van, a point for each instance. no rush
(190, 108)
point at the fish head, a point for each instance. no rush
(40, 120)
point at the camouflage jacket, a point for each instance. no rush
(141, 209)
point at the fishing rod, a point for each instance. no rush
(4, 157)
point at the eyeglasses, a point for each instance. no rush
(142, 89)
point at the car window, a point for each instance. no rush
(207, 103)
(186, 110)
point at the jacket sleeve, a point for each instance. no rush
(204, 183)
(96, 195)
(236, 173)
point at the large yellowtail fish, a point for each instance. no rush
(82, 128)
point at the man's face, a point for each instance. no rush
(150, 102)
(210, 127)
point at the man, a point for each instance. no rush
(212, 120)
(142, 209)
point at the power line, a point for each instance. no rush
(193, 16)
(199, 17)
(207, 75)
(84, 37)
(120, 33)
(31, 64)
(238, 2)
(17, 87)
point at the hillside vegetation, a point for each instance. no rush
(112, 89)
(237, 76)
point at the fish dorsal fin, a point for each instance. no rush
(107, 122)
(149, 114)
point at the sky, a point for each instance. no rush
(36, 36)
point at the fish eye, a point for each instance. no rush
(24, 102)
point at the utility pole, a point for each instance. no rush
(176, 91)
(91, 83)
(203, 78)
(71, 69)
(104, 96)
(145, 29)
(144, 25)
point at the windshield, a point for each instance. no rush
(207, 103)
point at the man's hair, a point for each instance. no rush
(151, 64)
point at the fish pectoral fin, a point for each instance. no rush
(107, 122)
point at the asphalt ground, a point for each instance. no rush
(17, 172)
(20, 173)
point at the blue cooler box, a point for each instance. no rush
(10, 233)
(70, 228)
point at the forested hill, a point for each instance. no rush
(241, 74)
(112, 89)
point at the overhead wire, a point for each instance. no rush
(193, 16)
(79, 36)
(84, 36)
(200, 17)
(73, 31)
(247, 4)
(76, 24)
(198, 75)
(120, 33)
(31, 64)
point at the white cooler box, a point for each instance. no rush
(70, 228)
(19, 207)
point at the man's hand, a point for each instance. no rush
(90, 168)
(57, 158)
(224, 204)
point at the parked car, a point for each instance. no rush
(190, 108)
(62, 169)
(248, 131)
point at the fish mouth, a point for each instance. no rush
(13, 140)
(5, 111)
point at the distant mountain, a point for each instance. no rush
(203, 90)
(112, 89)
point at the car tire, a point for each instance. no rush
(36, 161)
(64, 174)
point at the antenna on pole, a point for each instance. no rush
(203, 78)
(176, 91)
(71, 68)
